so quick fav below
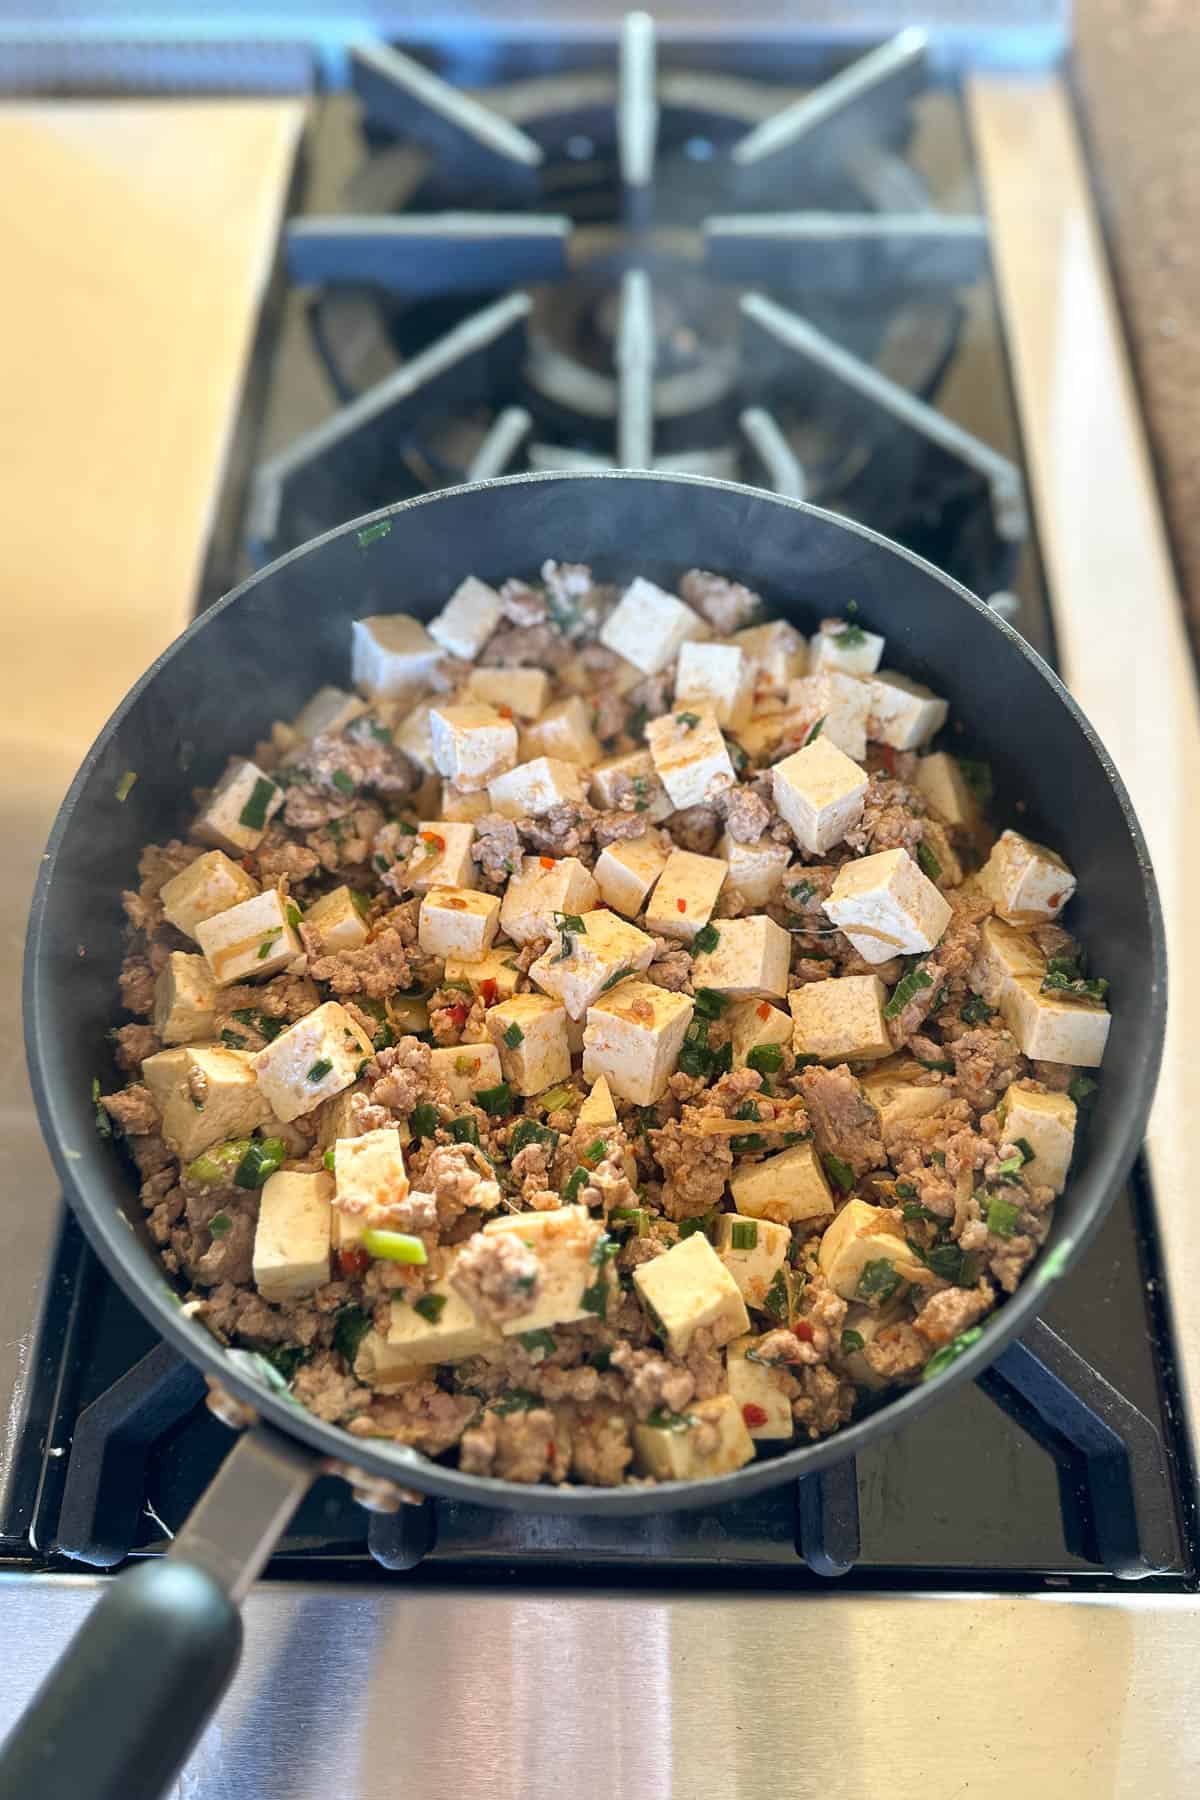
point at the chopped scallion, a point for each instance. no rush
(320, 1069)
(431, 1307)
(906, 989)
(706, 940)
(839, 1172)
(496, 1099)
(394, 1246)
(941, 1359)
(743, 1234)
(513, 1035)
(254, 814)
(765, 1059)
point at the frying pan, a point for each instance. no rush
(121, 1712)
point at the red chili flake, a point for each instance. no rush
(1055, 901)
(889, 758)
(803, 1330)
(764, 1009)
(353, 1262)
(547, 862)
(550, 1446)
(487, 991)
(505, 712)
(754, 1415)
(433, 840)
(682, 905)
(458, 1013)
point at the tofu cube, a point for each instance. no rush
(751, 960)
(525, 692)
(313, 1059)
(755, 1390)
(256, 937)
(414, 735)
(466, 1069)
(786, 1187)
(689, 1287)
(456, 1332)
(1026, 883)
(943, 785)
(237, 812)
(1009, 972)
(376, 1365)
(293, 1237)
(532, 788)
(685, 894)
(718, 678)
(755, 1022)
(901, 712)
(392, 654)
(331, 709)
(458, 921)
(860, 1236)
(887, 906)
(185, 1000)
(755, 870)
(210, 885)
(777, 652)
(598, 1108)
(673, 1452)
(1006, 955)
(563, 1241)
(898, 1098)
(648, 626)
(617, 776)
(838, 704)
(632, 1038)
(579, 966)
(468, 619)
(819, 792)
(840, 1020)
(690, 756)
(369, 1175)
(472, 743)
(530, 1033)
(205, 1094)
(579, 675)
(441, 856)
(627, 870)
(336, 1119)
(564, 731)
(458, 808)
(753, 1250)
(337, 918)
(1046, 1124)
(544, 887)
(495, 975)
(845, 647)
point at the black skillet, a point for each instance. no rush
(121, 1712)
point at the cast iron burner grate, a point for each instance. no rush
(672, 268)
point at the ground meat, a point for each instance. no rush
(521, 604)
(280, 859)
(378, 969)
(327, 1390)
(329, 762)
(696, 828)
(459, 1179)
(239, 1314)
(1056, 1078)
(825, 1401)
(528, 647)
(133, 1109)
(399, 1077)
(1010, 1258)
(896, 1352)
(946, 1314)
(566, 830)
(727, 605)
(498, 1276)
(422, 1415)
(950, 964)
(696, 1168)
(731, 903)
(601, 1450)
(986, 1062)
(653, 1381)
(747, 816)
(671, 967)
(230, 1256)
(893, 818)
(532, 1445)
(136, 982)
(617, 828)
(609, 713)
(134, 1044)
(497, 847)
(844, 1122)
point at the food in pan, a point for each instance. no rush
(608, 1042)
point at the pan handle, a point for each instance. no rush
(118, 1715)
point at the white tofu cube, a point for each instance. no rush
(848, 648)
(898, 1098)
(256, 937)
(598, 1108)
(1045, 1124)
(423, 1334)
(786, 1187)
(819, 792)
(864, 1251)
(544, 887)
(579, 966)
(441, 856)
(331, 709)
(709, 1439)
(563, 1241)
(1009, 972)
(468, 619)
(526, 692)
(690, 756)
(472, 744)
(185, 1000)
(755, 870)
(833, 705)
(718, 678)
(458, 808)
(751, 960)
(777, 651)
(532, 788)
(336, 1119)
(237, 812)
(1026, 883)
(943, 785)
(564, 731)
(1006, 955)
(886, 906)
(293, 1236)
(467, 1069)
(688, 1288)
(414, 735)
(636, 767)
(369, 1175)
(632, 1038)
(392, 654)
(627, 870)
(205, 1094)
(753, 1023)
(457, 921)
(841, 1020)
(313, 1059)
(210, 885)
(753, 1250)
(762, 737)
(530, 1033)
(339, 921)
(495, 975)
(376, 1365)
(648, 626)
(754, 1388)
(685, 894)
(901, 712)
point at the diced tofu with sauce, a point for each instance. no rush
(1026, 883)
(495, 975)
(754, 1388)
(339, 921)
(313, 1059)
(458, 808)
(686, 892)
(650, 797)
(755, 1022)
(563, 1241)
(414, 735)
(446, 1334)
(376, 1365)
(898, 1098)
(709, 1439)
(532, 788)
(237, 812)
(579, 966)
(466, 1069)
(835, 702)
(1009, 971)
(632, 1038)
(626, 871)
(544, 887)
(690, 756)
(840, 1020)
(855, 1247)
(903, 713)
(441, 857)
(755, 870)
(819, 792)
(392, 654)
(205, 1094)
(336, 1118)
(564, 731)
(689, 1287)
(788, 1186)
(530, 1033)
(718, 678)
(887, 906)
(1045, 1123)
(185, 1000)
(256, 937)
(458, 922)
(847, 648)
(210, 885)
(524, 691)
(648, 626)
(473, 744)
(751, 960)
(369, 1175)
(753, 1250)
(598, 1107)
(944, 787)
(468, 619)
(293, 1237)
(331, 709)
(777, 651)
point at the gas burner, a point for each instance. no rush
(712, 274)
